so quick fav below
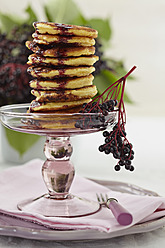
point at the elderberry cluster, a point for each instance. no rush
(117, 144)
(98, 117)
(14, 86)
(95, 107)
(101, 64)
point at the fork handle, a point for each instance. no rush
(121, 214)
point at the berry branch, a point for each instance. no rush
(115, 141)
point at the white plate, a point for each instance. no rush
(10, 226)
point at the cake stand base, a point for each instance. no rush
(70, 207)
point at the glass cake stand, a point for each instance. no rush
(58, 171)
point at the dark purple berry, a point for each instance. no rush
(105, 133)
(123, 133)
(121, 162)
(107, 150)
(127, 167)
(101, 148)
(132, 152)
(116, 155)
(126, 150)
(117, 167)
(132, 168)
(127, 162)
(107, 140)
(131, 157)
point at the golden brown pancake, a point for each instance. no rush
(53, 106)
(60, 51)
(61, 112)
(65, 95)
(59, 119)
(64, 29)
(54, 123)
(47, 39)
(70, 61)
(48, 72)
(62, 83)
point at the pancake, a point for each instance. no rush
(59, 119)
(64, 29)
(48, 72)
(71, 61)
(53, 124)
(60, 51)
(65, 95)
(63, 83)
(47, 39)
(53, 106)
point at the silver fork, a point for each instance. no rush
(121, 214)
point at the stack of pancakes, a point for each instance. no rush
(62, 66)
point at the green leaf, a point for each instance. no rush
(79, 20)
(117, 66)
(8, 22)
(113, 78)
(126, 98)
(47, 14)
(101, 83)
(63, 11)
(110, 76)
(31, 15)
(104, 80)
(21, 142)
(102, 26)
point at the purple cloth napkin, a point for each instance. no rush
(23, 182)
